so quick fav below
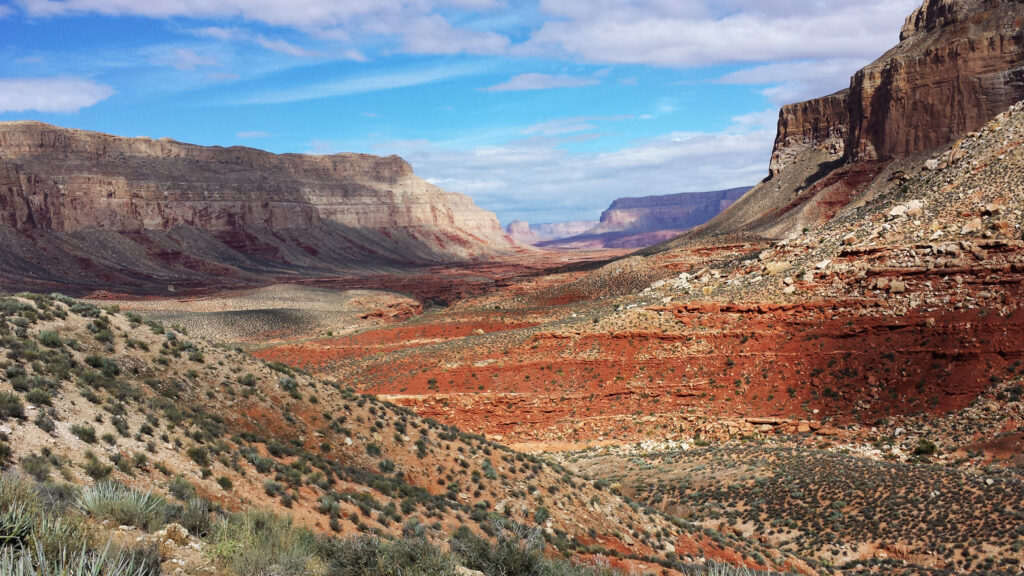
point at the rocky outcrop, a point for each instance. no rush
(221, 211)
(526, 233)
(820, 124)
(958, 64)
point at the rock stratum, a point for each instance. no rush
(640, 222)
(83, 210)
(958, 64)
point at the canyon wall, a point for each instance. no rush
(958, 64)
(242, 208)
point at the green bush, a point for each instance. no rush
(50, 339)
(95, 469)
(195, 516)
(925, 447)
(517, 552)
(257, 542)
(369, 556)
(36, 466)
(199, 455)
(11, 406)
(85, 433)
(39, 397)
(70, 561)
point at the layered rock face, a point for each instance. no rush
(323, 213)
(958, 64)
(527, 233)
(648, 220)
(821, 124)
(668, 212)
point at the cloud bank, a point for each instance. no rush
(62, 94)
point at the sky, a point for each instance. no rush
(541, 110)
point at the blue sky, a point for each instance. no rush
(540, 110)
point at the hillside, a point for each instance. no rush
(83, 211)
(90, 395)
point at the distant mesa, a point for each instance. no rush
(83, 211)
(638, 222)
(525, 233)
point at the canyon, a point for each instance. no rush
(821, 375)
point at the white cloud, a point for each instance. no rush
(416, 22)
(365, 84)
(252, 134)
(576, 125)
(796, 81)
(535, 179)
(683, 33)
(241, 35)
(6, 11)
(186, 59)
(542, 82)
(61, 94)
(433, 34)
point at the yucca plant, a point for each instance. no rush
(70, 562)
(124, 505)
(16, 522)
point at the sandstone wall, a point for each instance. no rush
(68, 180)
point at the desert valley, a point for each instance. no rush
(225, 361)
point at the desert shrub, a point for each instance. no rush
(11, 406)
(258, 542)
(518, 552)
(180, 488)
(123, 505)
(85, 433)
(199, 455)
(195, 516)
(925, 447)
(44, 422)
(50, 339)
(369, 556)
(68, 561)
(36, 466)
(39, 397)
